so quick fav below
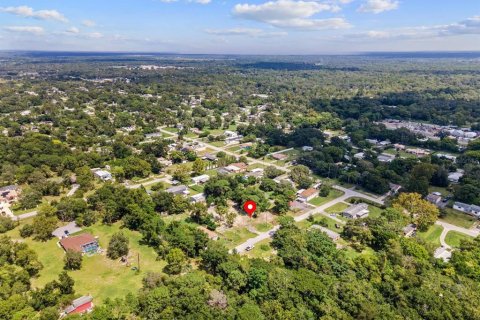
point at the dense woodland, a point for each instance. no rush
(81, 105)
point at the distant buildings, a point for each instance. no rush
(356, 211)
(9, 194)
(201, 179)
(200, 197)
(434, 198)
(279, 156)
(455, 177)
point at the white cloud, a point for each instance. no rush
(95, 35)
(202, 1)
(73, 30)
(469, 26)
(25, 29)
(378, 6)
(28, 12)
(250, 32)
(291, 14)
(89, 23)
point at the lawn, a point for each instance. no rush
(331, 196)
(458, 218)
(454, 238)
(432, 235)
(217, 143)
(117, 279)
(374, 211)
(263, 227)
(337, 208)
(262, 250)
(305, 224)
(236, 236)
(443, 191)
(172, 130)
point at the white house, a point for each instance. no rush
(467, 208)
(307, 195)
(307, 148)
(201, 179)
(179, 190)
(356, 211)
(103, 175)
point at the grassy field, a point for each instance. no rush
(331, 196)
(458, 218)
(236, 236)
(337, 208)
(432, 235)
(443, 191)
(263, 227)
(217, 143)
(262, 250)
(116, 278)
(374, 211)
(454, 238)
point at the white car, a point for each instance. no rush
(248, 248)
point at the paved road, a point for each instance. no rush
(73, 190)
(320, 209)
(450, 227)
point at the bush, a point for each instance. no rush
(6, 224)
(26, 231)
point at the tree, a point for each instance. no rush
(199, 166)
(72, 260)
(118, 246)
(182, 173)
(65, 283)
(301, 176)
(30, 198)
(176, 261)
(272, 172)
(45, 222)
(423, 213)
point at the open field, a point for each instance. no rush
(337, 208)
(432, 235)
(235, 236)
(459, 218)
(116, 278)
(318, 201)
(454, 238)
(262, 250)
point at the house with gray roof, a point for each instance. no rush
(356, 211)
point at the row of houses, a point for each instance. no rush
(471, 209)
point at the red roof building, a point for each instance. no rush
(79, 306)
(85, 243)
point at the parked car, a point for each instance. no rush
(248, 248)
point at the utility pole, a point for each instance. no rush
(138, 261)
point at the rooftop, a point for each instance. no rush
(77, 242)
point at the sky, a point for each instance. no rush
(240, 26)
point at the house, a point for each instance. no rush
(384, 143)
(279, 156)
(455, 177)
(356, 211)
(372, 141)
(307, 148)
(297, 206)
(399, 147)
(332, 235)
(442, 253)
(434, 198)
(178, 190)
(236, 167)
(210, 157)
(67, 230)
(9, 193)
(394, 188)
(79, 306)
(84, 243)
(103, 175)
(359, 156)
(257, 173)
(201, 179)
(200, 197)
(409, 231)
(418, 152)
(308, 194)
(467, 208)
(384, 157)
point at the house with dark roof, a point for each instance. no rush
(84, 243)
(180, 190)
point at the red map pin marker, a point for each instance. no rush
(249, 207)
